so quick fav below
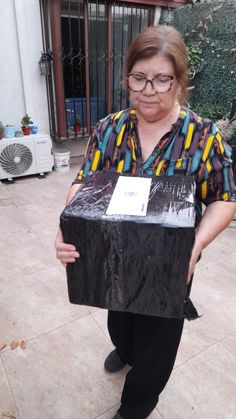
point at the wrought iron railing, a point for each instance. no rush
(94, 37)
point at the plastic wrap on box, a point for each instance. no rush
(137, 264)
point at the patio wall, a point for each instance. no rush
(21, 86)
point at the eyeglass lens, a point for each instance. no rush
(160, 84)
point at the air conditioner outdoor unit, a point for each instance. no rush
(25, 156)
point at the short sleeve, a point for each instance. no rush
(215, 180)
(94, 153)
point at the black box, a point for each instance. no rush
(131, 263)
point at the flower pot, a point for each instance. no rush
(9, 132)
(26, 130)
(34, 129)
(77, 128)
(19, 134)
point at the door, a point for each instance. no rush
(94, 39)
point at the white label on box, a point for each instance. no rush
(130, 196)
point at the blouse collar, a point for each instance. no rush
(179, 122)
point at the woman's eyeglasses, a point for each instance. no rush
(161, 83)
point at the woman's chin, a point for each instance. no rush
(150, 112)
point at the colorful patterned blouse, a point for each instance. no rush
(194, 146)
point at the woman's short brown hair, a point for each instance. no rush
(163, 40)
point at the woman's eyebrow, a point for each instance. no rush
(139, 72)
(156, 75)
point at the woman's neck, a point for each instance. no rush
(151, 132)
(158, 124)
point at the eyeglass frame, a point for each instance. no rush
(172, 80)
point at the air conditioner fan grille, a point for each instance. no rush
(16, 159)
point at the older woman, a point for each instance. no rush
(157, 135)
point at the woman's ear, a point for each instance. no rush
(178, 92)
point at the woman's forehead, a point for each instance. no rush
(156, 64)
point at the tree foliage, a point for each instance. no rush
(209, 30)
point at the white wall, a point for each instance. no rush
(22, 89)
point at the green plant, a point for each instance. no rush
(214, 42)
(78, 121)
(212, 111)
(26, 120)
(194, 53)
(194, 57)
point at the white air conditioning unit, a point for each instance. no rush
(26, 155)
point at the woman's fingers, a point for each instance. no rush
(64, 255)
(65, 252)
(65, 247)
(67, 256)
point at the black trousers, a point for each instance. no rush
(149, 344)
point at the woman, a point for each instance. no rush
(157, 135)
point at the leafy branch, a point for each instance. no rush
(195, 60)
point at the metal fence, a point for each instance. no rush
(94, 37)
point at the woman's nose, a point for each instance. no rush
(149, 89)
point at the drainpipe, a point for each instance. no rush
(157, 16)
(23, 53)
(58, 69)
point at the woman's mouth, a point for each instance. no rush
(150, 103)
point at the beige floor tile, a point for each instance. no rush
(43, 216)
(223, 245)
(155, 415)
(60, 375)
(46, 239)
(92, 309)
(67, 176)
(12, 220)
(111, 412)
(36, 304)
(63, 181)
(7, 403)
(24, 254)
(195, 339)
(215, 302)
(38, 190)
(6, 202)
(100, 316)
(230, 343)
(4, 193)
(221, 271)
(204, 387)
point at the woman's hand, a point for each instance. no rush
(215, 219)
(66, 253)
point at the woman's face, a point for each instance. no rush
(150, 104)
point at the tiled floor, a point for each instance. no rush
(60, 373)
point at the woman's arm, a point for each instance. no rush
(72, 191)
(216, 189)
(66, 253)
(215, 219)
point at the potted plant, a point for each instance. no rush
(1, 130)
(9, 131)
(78, 124)
(25, 122)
